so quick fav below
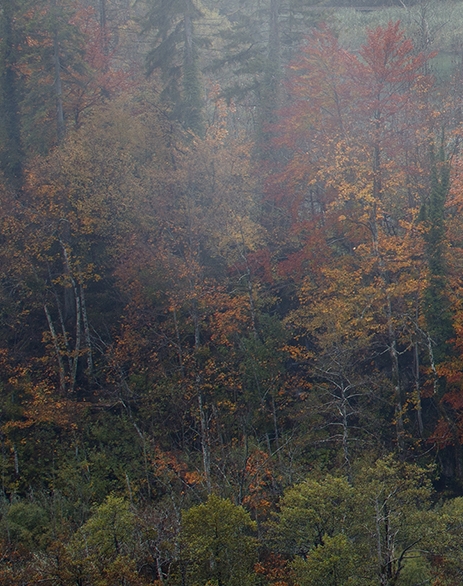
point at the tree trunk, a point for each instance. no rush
(59, 358)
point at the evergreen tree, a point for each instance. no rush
(11, 152)
(260, 40)
(53, 57)
(175, 55)
(270, 87)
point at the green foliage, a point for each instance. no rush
(446, 539)
(104, 546)
(334, 563)
(109, 531)
(311, 511)
(218, 546)
(394, 501)
(416, 570)
(28, 524)
(346, 534)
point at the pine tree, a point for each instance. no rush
(11, 155)
(260, 39)
(175, 54)
(271, 79)
(53, 58)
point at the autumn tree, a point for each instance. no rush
(55, 68)
(65, 279)
(217, 349)
(357, 173)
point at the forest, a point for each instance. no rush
(231, 292)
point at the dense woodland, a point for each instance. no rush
(231, 293)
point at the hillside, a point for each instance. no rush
(231, 296)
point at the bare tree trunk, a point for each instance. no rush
(179, 344)
(393, 352)
(252, 307)
(86, 331)
(159, 570)
(203, 419)
(16, 460)
(205, 447)
(62, 324)
(78, 339)
(145, 457)
(418, 406)
(345, 430)
(62, 375)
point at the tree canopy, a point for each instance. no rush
(231, 298)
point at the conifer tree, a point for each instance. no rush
(261, 38)
(11, 155)
(175, 55)
(270, 87)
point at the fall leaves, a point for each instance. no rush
(360, 136)
(183, 322)
(161, 264)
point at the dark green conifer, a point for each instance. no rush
(270, 86)
(11, 151)
(175, 55)
(260, 40)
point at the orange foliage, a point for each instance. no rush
(259, 473)
(275, 569)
